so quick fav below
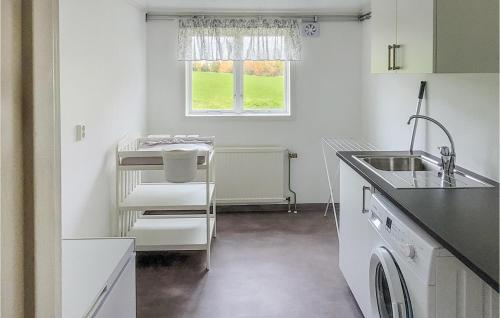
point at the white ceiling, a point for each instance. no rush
(317, 6)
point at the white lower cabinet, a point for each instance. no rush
(458, 291)
(120, 300)
(354, 246)
(98, 278)
(461, 293)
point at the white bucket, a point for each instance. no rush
(180, 165)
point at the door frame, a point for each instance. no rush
(1, 145)
(41, 27)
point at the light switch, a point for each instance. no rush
(80, 132)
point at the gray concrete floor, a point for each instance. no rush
(264, 264)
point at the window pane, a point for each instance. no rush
(212, 85)
(264, 85)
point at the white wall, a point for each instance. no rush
(467, 104)
(103, 76)
(324, 92)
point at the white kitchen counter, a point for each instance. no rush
(89, 268)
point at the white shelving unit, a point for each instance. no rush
(187, 220)
(185, 233)
(168, 196)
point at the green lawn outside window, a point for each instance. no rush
(263, 88)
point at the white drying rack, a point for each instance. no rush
(339, 144)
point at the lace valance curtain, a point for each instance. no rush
(239, 38)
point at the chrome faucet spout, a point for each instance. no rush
(452, 143)
(447, 157)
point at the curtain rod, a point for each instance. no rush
(306, 17)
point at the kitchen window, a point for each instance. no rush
(238, 88)
(238, 66)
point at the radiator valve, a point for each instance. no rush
(292, 155)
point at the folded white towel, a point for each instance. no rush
(201, 148)
(159, 136)
(153, 141)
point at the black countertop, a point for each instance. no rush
(464, 221)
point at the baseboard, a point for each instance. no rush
(267, 207)
(231, 208)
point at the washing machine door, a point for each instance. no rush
(388, 293)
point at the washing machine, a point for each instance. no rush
(412, 275)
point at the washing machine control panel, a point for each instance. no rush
(404, 238)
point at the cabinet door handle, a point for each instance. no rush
(389, 66)
(97, 302)
(363, 208)
(394, 48)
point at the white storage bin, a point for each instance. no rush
(180, 165)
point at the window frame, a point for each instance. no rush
(238, 98)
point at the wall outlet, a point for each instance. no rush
(80, 132)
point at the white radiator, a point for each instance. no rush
(251, 174)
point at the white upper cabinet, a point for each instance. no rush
(435, 36)
(383, 34)
(415, 36)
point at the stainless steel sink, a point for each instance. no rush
(417, 171)
(409, 163)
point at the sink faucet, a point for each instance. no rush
(447, 156)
